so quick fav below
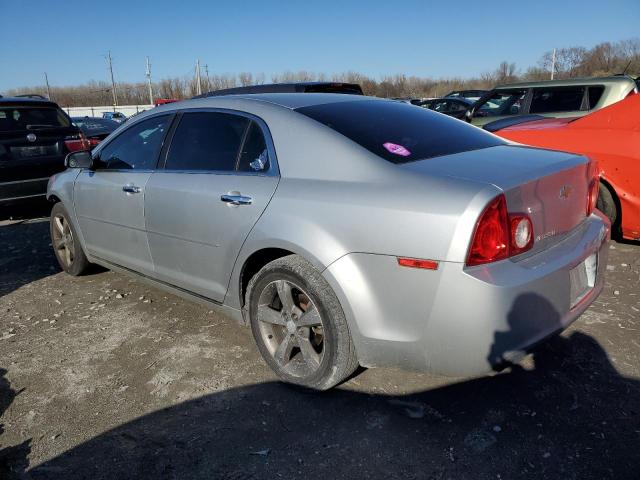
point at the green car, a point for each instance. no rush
(554, 98)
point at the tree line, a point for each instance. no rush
(606, 58)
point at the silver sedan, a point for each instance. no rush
(345, 230)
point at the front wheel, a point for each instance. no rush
(298, 324)
(66, 245)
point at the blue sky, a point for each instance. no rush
(68, 38)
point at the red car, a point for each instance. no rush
(611, 136)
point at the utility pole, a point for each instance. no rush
(553, 63)
(198, 83)
(46, 80)
(149, 82)
(206, 71)
(113, 83)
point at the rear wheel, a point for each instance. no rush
(66, 245)
(298, 324)
(607, 204)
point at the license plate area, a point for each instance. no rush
(34, 151)
(583, 278)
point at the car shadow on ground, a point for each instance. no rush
(552, 421)
(27, 255)
(13, 459)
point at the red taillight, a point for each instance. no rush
(491, 237)
(76, 143)
(592, 198)
(499, 235)
(594, 186)
(417, 263)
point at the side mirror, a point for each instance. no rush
(80, 159)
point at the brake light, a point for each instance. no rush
(499, 235)
(592, 198)
(491, 238)
(594, 186)
(76, 143)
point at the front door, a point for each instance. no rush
(217, 181)
(109, 201)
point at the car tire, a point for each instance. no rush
(65, 242)
(304, 338)
(607, 205)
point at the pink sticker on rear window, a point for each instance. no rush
(396, 149)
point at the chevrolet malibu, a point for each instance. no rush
(344, 230)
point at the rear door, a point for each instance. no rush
(109, 201)
(32, 147)
(219, 175)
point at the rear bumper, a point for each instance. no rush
(18, 190)
(464, 321)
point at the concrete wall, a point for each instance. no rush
(128, 110)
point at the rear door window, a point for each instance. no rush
(557, 99)
(137, 147)
(503, 102)
(254, 156)
(207, 141)
(398, 132)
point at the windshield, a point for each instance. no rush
(89, 124)
(399, 132)
(502, 103)
(31, 118)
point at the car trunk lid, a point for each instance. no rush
(550, 187)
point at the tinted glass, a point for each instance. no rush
(254, 156)
(595, 93)
(31, 118)
(558, 99)
(502, 103)
(91, 125)
(398, 132)
(206, 141)
(137, 147)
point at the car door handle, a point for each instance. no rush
(236, 199)
(131, 189)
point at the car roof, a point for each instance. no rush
(287, 100)
(27, 100)
(617, 79)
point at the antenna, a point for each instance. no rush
(624, 72)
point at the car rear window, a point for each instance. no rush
(16, 118)
(595, 93)
(398, 132)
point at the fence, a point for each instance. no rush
(128, 110)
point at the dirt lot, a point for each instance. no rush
(104, 377)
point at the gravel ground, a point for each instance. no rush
(104, 377)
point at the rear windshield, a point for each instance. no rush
(90, 124)
(398, 132)
(31, 118)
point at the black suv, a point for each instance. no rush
(35, 137)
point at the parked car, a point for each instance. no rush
(612, 137)
(95, 129)
(115, 116)
(295, 87)
(343, 229)
(555, 98)
(470, 94)
(452, 106)
(35, 137)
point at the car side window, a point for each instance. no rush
(556, 99)
(254, 156)
(137, 147)
(502, 103)
(206, 141)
